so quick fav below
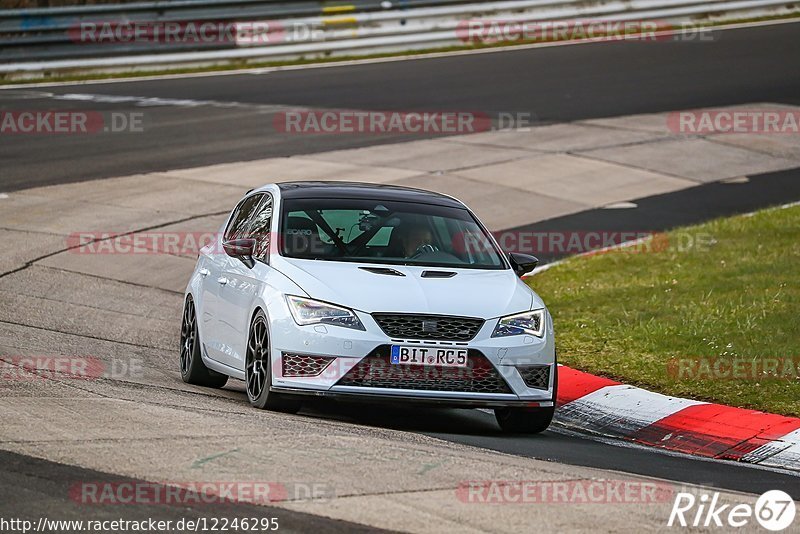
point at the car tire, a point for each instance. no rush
(258, 375)
(193, 370)
(527, 420)
(524, 420)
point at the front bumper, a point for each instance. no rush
(413, 397)
(346, 348)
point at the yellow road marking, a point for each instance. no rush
(339, 21)
(338, 9)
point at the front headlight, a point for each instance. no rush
(531, 323)
(307, 311)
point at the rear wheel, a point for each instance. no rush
(257, 370)
(193, 370)
(527, 420)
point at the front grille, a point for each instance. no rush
(411, 326)
(535, 376)
(304, 365)
(375, 371)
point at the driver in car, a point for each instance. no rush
(415, 238)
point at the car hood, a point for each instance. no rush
(470, 292)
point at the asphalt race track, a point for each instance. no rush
(31, 487)
(477, 428)
(686, 207)
(215, 119)
(555, 84)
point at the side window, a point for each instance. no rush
(237, 227)
(259, 228)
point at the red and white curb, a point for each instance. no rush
(597, 405)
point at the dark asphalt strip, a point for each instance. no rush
(479, 429)
(32, 488)
(552, 84)
(682, 469)
(670, 210)
(559, 83)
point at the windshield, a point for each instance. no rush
(388, 232)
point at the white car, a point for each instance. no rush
(368, 292)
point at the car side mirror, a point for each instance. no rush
(522, 263)
(241, 249)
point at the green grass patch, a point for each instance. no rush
(710, 312)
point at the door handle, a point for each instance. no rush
(222, 280)
(203, 272)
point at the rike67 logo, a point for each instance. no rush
(774, 510)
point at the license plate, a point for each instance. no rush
(428, 355)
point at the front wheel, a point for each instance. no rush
(524, 420)
(193, 370)
(257, 370)
(528, 420)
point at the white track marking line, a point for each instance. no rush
(145, 101)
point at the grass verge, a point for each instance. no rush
(713, 313)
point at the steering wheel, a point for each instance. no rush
(427, 248)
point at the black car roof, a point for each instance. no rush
(360, 190)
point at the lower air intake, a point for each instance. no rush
(375, 371)
(535, 376)
(304, 365)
